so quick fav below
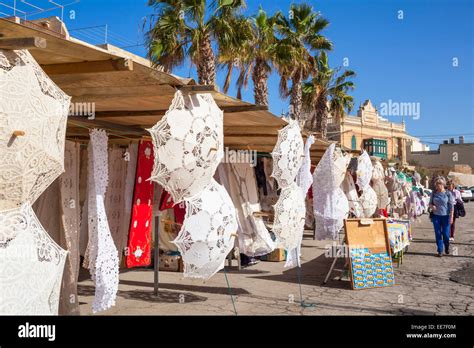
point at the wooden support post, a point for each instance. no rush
(21, 43)
(156, 266)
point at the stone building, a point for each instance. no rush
(369, 131)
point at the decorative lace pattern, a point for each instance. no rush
(32, 103)
(207, 235)
(330, 204)
(114, 197)
(290, 212)
(304, 181)
(31, 265)
(101, 252)
(378, 184)
(288, 154)
(368, 198)
(189, 144)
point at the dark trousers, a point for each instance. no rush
(442, 229)
(453, 226)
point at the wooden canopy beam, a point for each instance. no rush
(140, 113)
(132, 130)
(91, 67)
(23, 43)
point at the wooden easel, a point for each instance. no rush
(342, 242)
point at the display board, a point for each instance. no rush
(370, 260)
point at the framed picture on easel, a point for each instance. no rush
(370, 259)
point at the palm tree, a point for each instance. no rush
(187, 29)
(300, 34)
(253, 55)
(326, 93)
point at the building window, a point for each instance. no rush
(354, 142)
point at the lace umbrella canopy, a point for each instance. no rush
(329, 201)
(31, 265)
(288, 154)
(208, 232)
(290, 214)
(33, 116)
(188, 143)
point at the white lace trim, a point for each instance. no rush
(101, 252)
(31, 265)
(189, 144)
(208, 232)
(32, 103)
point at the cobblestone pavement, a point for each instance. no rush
(425, 285)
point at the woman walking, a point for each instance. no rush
(456, 195)
(441, 204)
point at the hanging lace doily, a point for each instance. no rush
(305, 178)
(207, 235)
(101, 254)
(364, 170)
(378, 184)
(368, 201)
(290, 212)
(288, 154)
(189, 144)
(31, 265)
(29, 102)
(330, 204)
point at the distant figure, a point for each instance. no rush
(427, 182)
(456, 196)
(441, 204)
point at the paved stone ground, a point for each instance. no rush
(425, 285)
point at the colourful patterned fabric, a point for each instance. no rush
(371, 270)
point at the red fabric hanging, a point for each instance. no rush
(139, 242)
(166, 202)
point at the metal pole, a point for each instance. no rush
(156, 262)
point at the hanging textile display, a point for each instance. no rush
(288, 154)
(329, 201)
(101, 255)
(31, 265)
(350, 190)
(304, 181)
(58, 211)
(189, 144)
(253, 236)
(114, 196)
(140, 239)
(33, 116)
(378, 184)
(368, 198)
(208, 232)
(289, 219)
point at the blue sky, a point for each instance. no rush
(403, 60)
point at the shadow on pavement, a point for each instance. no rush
(164, 296)
(186, 287)
(313, 273)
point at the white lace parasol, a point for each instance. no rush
(288, 154)
(188, 145)
(33, 116)
(290, 213)
(31, 265)
(330, 204)
(208, 232)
